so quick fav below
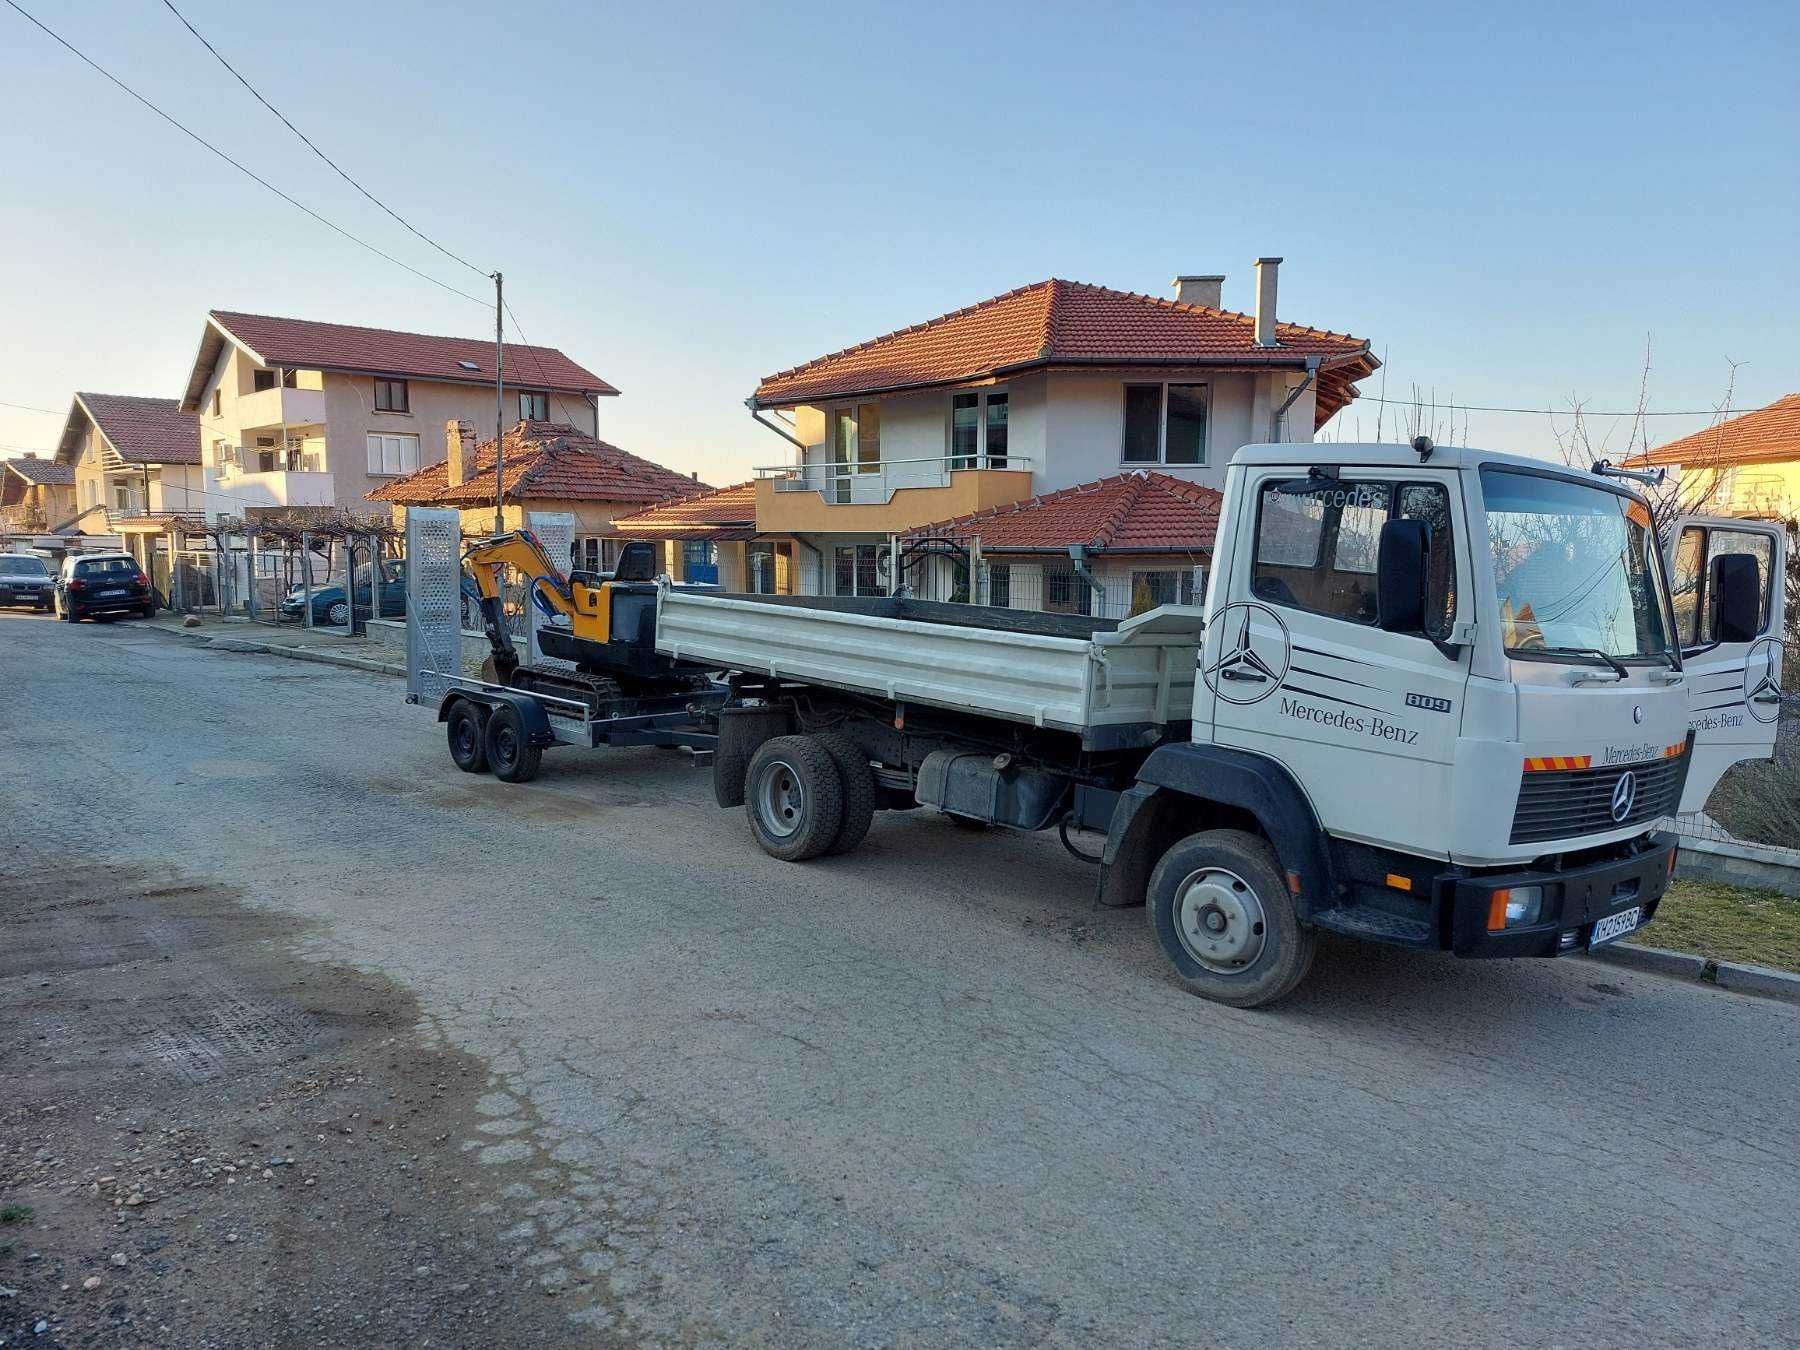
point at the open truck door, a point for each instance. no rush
(1726, 577)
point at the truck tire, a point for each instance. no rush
(742, 731)
(467, 735)
(1222, 912)
(858, 782)
(794, 798)
(510, 753)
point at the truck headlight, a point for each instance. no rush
(1518, 907)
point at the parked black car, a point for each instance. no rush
(24, 580)
(92, 584)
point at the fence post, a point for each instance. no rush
(350, 585)
(306, 579)
(250, 572)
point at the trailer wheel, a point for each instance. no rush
(1225, 919)
(468, 736)
(794, 798)
(510, 753)
(858, 781)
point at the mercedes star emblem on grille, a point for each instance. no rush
(1624, 795)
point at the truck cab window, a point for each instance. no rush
(1317, 546)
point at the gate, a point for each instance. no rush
(433, 602)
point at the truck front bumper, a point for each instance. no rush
(1575, 899)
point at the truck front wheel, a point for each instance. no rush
(1226, 920)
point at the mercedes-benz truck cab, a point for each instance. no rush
(1474, 668)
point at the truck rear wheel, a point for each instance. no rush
(858, 781)
(510, 753)
(794, 798)
(467, 736)
(1225, 919)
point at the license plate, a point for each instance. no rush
(105, 594)
(1616, 926)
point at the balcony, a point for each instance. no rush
(276, 488)
(280, 407)
(884, 496)
(23, 519)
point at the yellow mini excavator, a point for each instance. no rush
(603, 622)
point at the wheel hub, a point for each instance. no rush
(1220, 920)
(781, 800)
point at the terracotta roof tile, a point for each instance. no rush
(37, 470)
(1139, 512)
(142, 430)
(1059, 322)
(725, 513)
(1771, 433)
(544, 461)
(311, 345)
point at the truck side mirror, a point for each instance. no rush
(1737, 586)
(1400, 576)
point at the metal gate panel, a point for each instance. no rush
(556, 532)
(433, 601)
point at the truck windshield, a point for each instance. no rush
(1575, 568)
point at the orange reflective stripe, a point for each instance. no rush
(1557, 763)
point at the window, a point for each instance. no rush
(1000, 586)
(700, 561)
(856, 571)
(995, 431)
(391, 396)
(217, 402)
(534, 406)
(1164, 586)
(766, 568)
(584, 554)
(1165, 424)
(965, 430)
(1696, 607)
(390, 455)
(261, 380)
(855, 447)
(290, 378)
(1317, 546)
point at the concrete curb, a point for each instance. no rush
(1733, 975)
(243, 646)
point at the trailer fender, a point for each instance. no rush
(1175, 788)
(531, 713)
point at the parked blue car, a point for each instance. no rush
(328, 606)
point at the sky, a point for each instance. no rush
(1507, 201)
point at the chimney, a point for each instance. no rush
(1266, 268)
(1199, 290)
(459, 440)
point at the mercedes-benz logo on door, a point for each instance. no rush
(1250, 665)
(1624, 795)
(1762, 679)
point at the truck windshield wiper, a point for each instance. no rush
(1594, 652)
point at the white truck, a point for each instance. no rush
(1436, 697)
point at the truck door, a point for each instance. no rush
(1366, 720)
(1733, 677)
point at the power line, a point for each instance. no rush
(305, 140)
(26, 407)
(1449, 404)
(538, 361)
(248, 173)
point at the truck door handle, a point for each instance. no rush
(1766, 698)
(1249, 676)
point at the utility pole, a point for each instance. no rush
(499, 410)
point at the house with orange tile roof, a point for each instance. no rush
(1748, 465)
(1043, 388)
(1110, 548)
(36, 495)
(712, 537)
(544, 467)
(138, 480)
(299, 413)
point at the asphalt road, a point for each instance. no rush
(927, 1094)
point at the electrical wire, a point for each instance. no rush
(305, 140)
(1557, 412)
(247, 172)
(538, 361)
(26, 407)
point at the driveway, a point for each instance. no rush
(928, 1093)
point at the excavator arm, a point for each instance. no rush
(525, 553)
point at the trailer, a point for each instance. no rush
(503, 722)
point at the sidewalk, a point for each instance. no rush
(288, 639)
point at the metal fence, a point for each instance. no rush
(962, 574)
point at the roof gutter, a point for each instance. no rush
(1312, 370)
(756, 414)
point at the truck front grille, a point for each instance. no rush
(1561, 804)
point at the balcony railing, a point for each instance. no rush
(24, 517)
(876, 482)
(281, 406)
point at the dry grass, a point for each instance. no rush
(1727, 923)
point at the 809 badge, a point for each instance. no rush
(1428, 703)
